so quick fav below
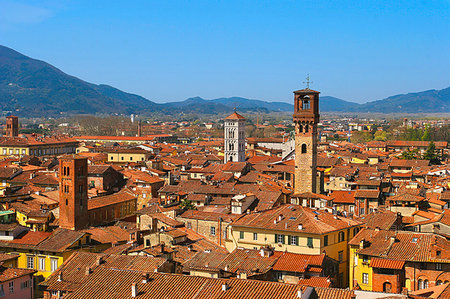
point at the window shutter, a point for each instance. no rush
(284, 239)
(276, 238)
(289, 240)
(296, 240)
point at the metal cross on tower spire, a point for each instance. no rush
(307, 82)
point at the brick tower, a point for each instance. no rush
(73, 212)
(306, 117)
(12, 126)
(234, 137)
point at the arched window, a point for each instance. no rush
(231, 159)
(387, 287)
(355, 231)
(306, 128)
(425, 284)
(303, 148)
(439, 282)
(420, 284)
(300, 128)
(306, 105)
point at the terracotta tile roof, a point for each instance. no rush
(205, 261)
(343, 197)
(323, 282)
(293, 262)
(403, 245)
(8, 256)
(408, 163)
(247, 261)
(381, 219)
(367, 194)
(317, 222)
(235, 115)
(109, 283)
(102, 201)
(108, 234)
(386, 263)
(73, 270)
(13, 273)
(405, 197)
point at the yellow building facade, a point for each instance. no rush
(298, 238)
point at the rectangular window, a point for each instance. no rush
(365, 259)
(53, 264)
(255, 237)
(41, 263)
(325, 241)
(213, 230)
(293, 240)
(356, 260)
(4, 151)
(439, 266)
(361, 211)
(280, 239)
(30, 262)
(341, 256)
(241, 235)
(189, 225)
(11, 287)
(310, 242)
(365, 278)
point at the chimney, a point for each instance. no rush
(280, 217)
(88, 270)
(300, 227)
(60, 276)
(361, 244)
(299, 293)
(99, 260)
(316, 217)
(162, 247)
(224, 287)
(134, 290)
(145, 277)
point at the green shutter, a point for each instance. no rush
(289, 240)
(296, 240)
(284, 239)
(276, 238)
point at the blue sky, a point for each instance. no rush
(170, 50)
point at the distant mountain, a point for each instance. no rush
(30, 87)
(332, 104)
(419, 102)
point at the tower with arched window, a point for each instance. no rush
(234, 138)
(306, 118)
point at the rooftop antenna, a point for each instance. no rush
(307, 82)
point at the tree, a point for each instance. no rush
(410, 155)
(187, 204)
(380, 136)
(432, 155)
(426, 134)
(360, 137)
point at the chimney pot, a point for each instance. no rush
(134, 290)
(299, 294)
(224, 286)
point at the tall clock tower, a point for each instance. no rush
(306, 118)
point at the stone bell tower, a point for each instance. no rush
(234, 138)
(306, 118)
